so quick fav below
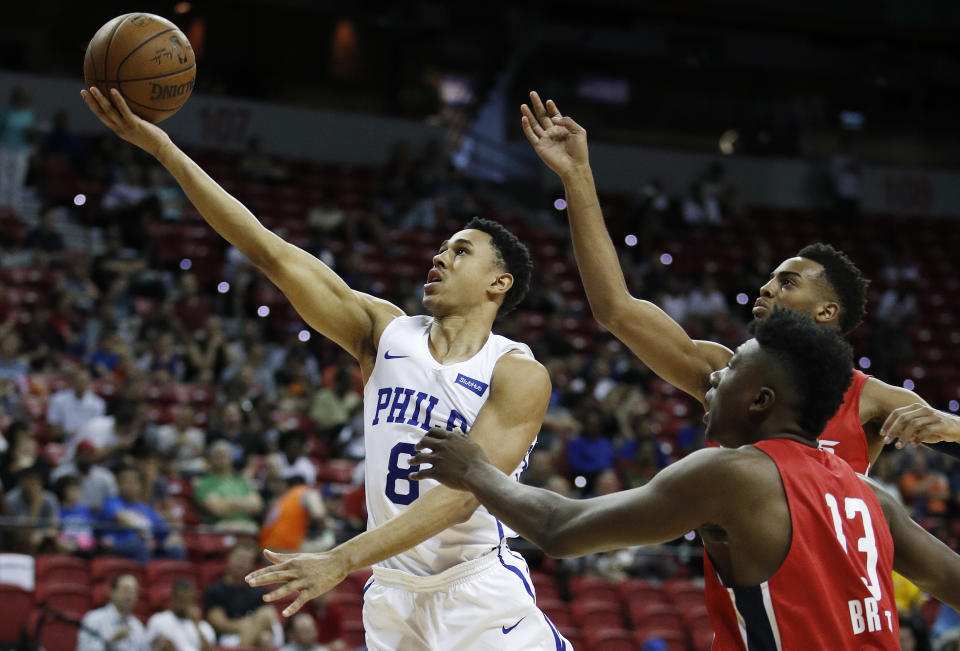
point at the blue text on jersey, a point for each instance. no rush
(396, 401)
(476, 386)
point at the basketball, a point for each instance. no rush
(147, 58)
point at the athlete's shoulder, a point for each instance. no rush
(517, 370)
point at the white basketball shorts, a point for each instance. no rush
(486, 604)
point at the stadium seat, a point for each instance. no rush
(353, 635)
(702, 637)
(17, 605)
(350, 604)
(640, 591)
(659, 615)
(54, 633)
(211, 572)
(164, 572)
(64, 569)
(609, 639)
(105, 568)
(593, 588)
(597, 613)
(557, 611)
(64, 596)
(573, 635)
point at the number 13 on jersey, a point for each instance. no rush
(864, 615)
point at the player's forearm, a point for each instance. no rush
(439, 509)
(541, 516)
(594, 250)
(224, 213)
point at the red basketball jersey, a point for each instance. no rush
(834, 589)
(843, 434)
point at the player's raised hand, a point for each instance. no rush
(115, 113)
(451, 455)
(559, 141)
(919, 423)
(310, 575)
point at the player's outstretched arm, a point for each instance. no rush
(649, 332)
(918, 555)
(907, 419)
(505, 428)
(351, 319)
(669, 506)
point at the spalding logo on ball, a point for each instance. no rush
(148, 59)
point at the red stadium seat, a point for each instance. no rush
(54, 633)
(104, 569)
(64, 569)
(557, 611)
(165, 572)
(593, 588)
(353, 635)
(676, 639)
(658, 615)
(350, 604)
(211, 572)
(597, 613)
(609, 639)
(64, 596)
(17, 605)
(573, 635)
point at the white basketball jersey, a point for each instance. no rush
(408, 393)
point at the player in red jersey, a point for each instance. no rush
(804, 547)
(820, 281)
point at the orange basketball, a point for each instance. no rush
(148, 59)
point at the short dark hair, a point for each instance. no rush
(845, 279)
(512, 254)
(63, 483)
(817, 359)
(184, 583)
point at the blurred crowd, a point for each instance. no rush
(146, 394)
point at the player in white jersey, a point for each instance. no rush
(458, 586)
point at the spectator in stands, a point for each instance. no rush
(108, 357)
(706, 300)
(70, 409)
(11, 405)
(292, 455)
(236, 610)
(76, 519)
(44, 237)
(292, 515)
(257, 165)
(63, 143)
(192, 308)
(16, 120)
(168, 196)
(845, 173)
(925, 491)
(23, 451)
(77, 284)
(590, 453)
(164, 362)
(884, 473)
(181, 442)
(13, 363)
(227, 501)
(332, 407)
(110, 435)
(303, 634)
(96, 482)
(138, 531)
(699, 208)
(208, 353)
(114, 627)
(115, 262)
(232, 429)
(945, 629)
(674, 301)
(181, 628)
(36, 512)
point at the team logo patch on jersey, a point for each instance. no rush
(476, 386)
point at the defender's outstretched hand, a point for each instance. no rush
(115, 113)
(451, 454)
(559, 141)
(919, 423)
(309, 574)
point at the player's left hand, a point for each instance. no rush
(919, 423)
(309, 574)
(451, 455)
